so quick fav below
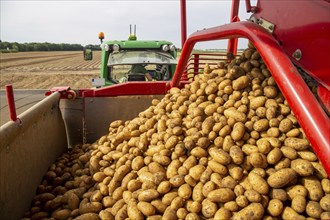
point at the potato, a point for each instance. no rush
(73, 201)
(325, 215)
(88, 216)
(106, 215)
(238, 131)
(252, 211)
(170, 214)
(288, 214)
(185, 191)
(297, 143)
(217, 167)
(252, 195)
(168, 198)
(209, 208)
(182, 213)
(223, 213)
(296, 190)
(319, 170)
(257, 102)
(91, 207)
(258, 183)
(177, 180)
(220, 156)
(148, 195)
(132, 210)
(298, 203)
(221, 195)
(122, 213)
(236, 154)
(164, 187)
(313, 209)
(233, 113)
(159, 205)
(274, 156)
(278, 194)
(307, 155)
(325, 203)
(289, 152)
(261, 125)
(257, 160)
(281, 178)
(302, 167)
(197, 194)
(275, 207)
(314, 188)
(62, 214)
(326, 185)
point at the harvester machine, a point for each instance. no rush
(292, 37)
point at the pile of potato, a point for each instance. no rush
(226, 146)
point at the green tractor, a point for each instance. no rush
(135, 60)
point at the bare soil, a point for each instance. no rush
(44, 70)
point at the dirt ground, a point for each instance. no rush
(44, 70)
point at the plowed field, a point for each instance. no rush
(44, 70)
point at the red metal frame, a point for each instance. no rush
(306, 108)
(11, 102)
(232, 43)
(183, 22)
(131, 88)
(65, 91)
(197, 61)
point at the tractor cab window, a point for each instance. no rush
(139, 66)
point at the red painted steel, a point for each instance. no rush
(183, 22)
(306, 108)
(303, 25)
(232, 43)
(11, 102)
(130, 88)
(324, 95)
(65, 91)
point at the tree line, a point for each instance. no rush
(22, 47)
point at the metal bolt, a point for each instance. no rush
(297, 54)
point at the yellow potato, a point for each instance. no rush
(275, 207)
(298, 203)
(302, 167)
(297, 143)
(314, 188)
(252, 211)
(281, 178)
(220, 156)
(146, 208)
(148, 195)
(221, 195)
(223, 213)
(209, 208)
(258, 183)
(313, 209)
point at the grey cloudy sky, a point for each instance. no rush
(81, 21)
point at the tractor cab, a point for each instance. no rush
(136, 60)
(88, 53)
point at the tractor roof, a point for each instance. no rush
(149, 44)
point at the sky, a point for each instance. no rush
(81, 21)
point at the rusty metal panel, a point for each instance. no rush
(26, 152)
(101, 111)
